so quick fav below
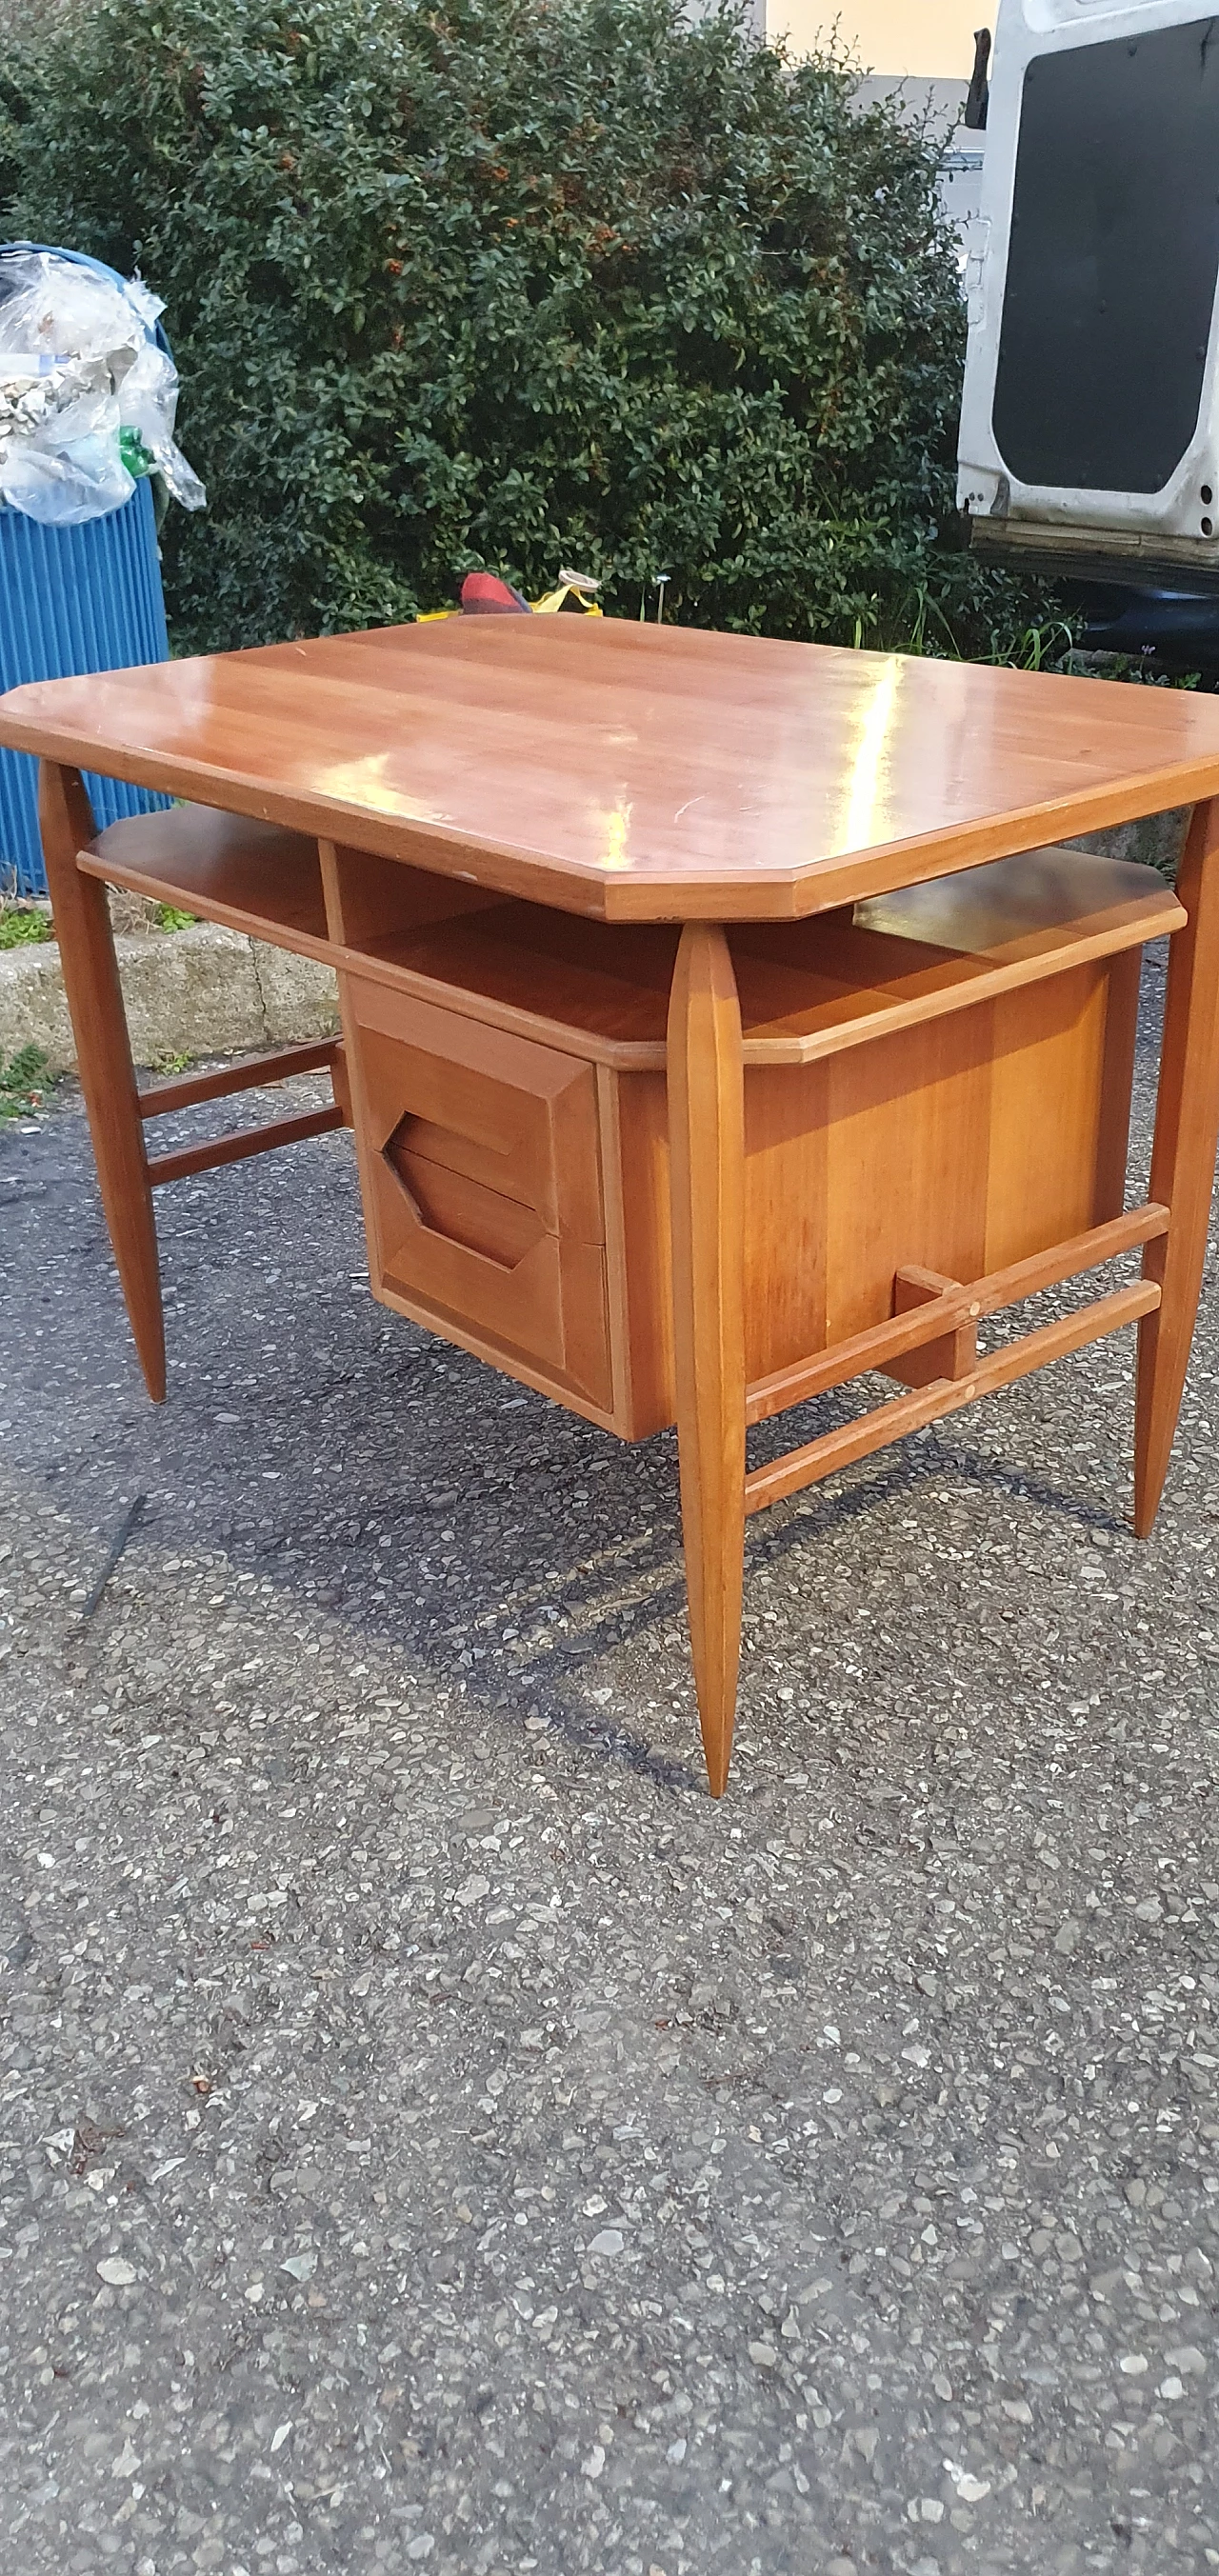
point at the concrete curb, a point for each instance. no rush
(205, 991)
(1156, 841)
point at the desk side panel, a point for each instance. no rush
(908, 1152)
(1060, 1108)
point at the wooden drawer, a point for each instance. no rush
(482, 1169)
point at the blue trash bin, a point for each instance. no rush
(73, 600)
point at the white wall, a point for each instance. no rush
(930, 39)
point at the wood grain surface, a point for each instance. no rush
(103, 1061)
(707, 1186)
(636, 773)
(1182, 1163)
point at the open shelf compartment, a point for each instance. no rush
(250, 876)
(808, 989)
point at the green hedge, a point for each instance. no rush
(513, 283)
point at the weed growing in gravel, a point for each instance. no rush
(22, 1082)
(23, 924)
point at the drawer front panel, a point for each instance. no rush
(547, 1307)
(519, 1118)
(481, 1163)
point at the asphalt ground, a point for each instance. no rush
(432, 2132)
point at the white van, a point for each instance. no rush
(1090, 417)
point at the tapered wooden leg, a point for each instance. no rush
(1182, 1161)
(706, 1088)
(103, 1055)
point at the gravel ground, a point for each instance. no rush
(432, 2132)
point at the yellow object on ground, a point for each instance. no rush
(566, 596)
(569, 595)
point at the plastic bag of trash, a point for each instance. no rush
(67, 466)
(88, 394)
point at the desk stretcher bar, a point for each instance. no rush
(883, 1343)
(889, 1422)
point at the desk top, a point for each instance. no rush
(637, 773)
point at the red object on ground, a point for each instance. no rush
(484, 595)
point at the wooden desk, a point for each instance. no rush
(721, 1019)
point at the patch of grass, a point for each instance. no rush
(24, 924)
(1042, 647)
(168, 917)
(1144, 670)
(22, 1083)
